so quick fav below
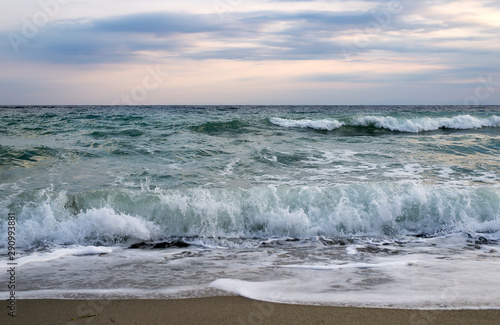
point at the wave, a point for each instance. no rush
(105, 217)
(58, 253)
(26, 157)
(313, 124)
(462, 122)
(219, 127)
(410, 125)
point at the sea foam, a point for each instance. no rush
(410, 125)
(313, 124)
(374, 209)
(58, 253)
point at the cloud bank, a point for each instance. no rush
(369, 43)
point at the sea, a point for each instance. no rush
(370, 206)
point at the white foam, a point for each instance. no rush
(375, 209)
(171, 292)
(351, 250)
(411, 125)
(329, 157)
(423, 273)
(96, 225)
(313, 124)
(228, 169)
(452, 283)
(58, 253)
(427, 123)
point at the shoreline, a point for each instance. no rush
(226, 310)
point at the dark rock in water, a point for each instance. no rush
(166, 244)
(423, 236)
(336, 241)
(481, 240)
(270, 244)
(176, 243)
(139, 245)
(370, 249)
(179, 243)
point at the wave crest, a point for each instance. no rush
(410, 125)
(327, 125)
(379, 209)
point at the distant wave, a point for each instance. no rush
(313, 124)
(103, 217)
(411, 125)
(462, 122)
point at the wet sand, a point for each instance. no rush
(226, 310)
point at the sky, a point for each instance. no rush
(242, 52)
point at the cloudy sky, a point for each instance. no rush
(250, 52)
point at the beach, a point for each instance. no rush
(227, 310)
(250, 162)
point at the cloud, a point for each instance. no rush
(256, 35)
(156, 23)
(120, 37)
(462, 77)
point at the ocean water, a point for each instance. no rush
(384, 206)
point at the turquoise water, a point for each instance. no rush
(249, 171)
(227, 179)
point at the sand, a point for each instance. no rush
(227, 310)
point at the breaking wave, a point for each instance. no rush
(103, 217)
(313, 124)
(411, 125)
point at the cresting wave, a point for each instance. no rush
(106, 217)
(313, 124)
(412, 125)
